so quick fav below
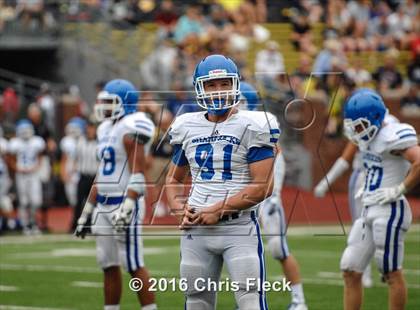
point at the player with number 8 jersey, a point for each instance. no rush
(124, 140)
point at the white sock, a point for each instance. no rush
(149, 307)
(112, 307)
(297, 293)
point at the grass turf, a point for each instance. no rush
(54, 272)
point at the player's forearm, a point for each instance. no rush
(175, 194)
(413, 177)
(250, 196)
(92, 194)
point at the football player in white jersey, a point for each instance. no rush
(272, 215)
(230, 155)
(26, 149)
(75, 129)
(6, 206)
(391, 163)
(350, 155)
(124, 139)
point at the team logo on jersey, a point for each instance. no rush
(217, 72)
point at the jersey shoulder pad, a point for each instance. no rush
(139, 124)
(39, 143)
(181, 125)
(100, 131)
(399, 136)
(263, 128)
(14, 145)
(3, 145)
(67, 144)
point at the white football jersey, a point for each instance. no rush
(382, 168)
(358, 161)
(26, 151)
(219, 154)
(113, 172)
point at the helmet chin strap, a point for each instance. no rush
(218, 112)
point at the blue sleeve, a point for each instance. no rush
(178, 156)
(259, 153)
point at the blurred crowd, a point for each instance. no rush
(28, 15)
(329, 66)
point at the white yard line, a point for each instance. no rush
(84, 252)
(87, 284)
(59, 268)
(15, 307)
(163, 233)
(8, 288)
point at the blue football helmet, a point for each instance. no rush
(249, 96)
(118, 98)
(364, 113)
(211, 68)
(24, 129)
(76, 127)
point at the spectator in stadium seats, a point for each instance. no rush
(191, 23)
(166, 17)
(388, 77)
(301, 34)
(360, 76)
(379, 32)
(301, 74)
(338, 16)
(410, 104)
(400, 24)
(413, 69)
(323, 62)
(7, 13)
(415, 44)
(157, 68)
(11, 104)
(218, 17)
(269, 61)
(31, 12)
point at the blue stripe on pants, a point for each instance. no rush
(127, 250)
(397, 231)
(283, 240)
(388, 237)
(263, 301)
(352, 201)
(136, 250)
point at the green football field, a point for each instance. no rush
(60, 272)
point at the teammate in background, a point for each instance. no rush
(6, 206)
(391, 162)
(75, 129)
(356, 182)
(26, 149)
(124, 139)
(272, 215)
(230, 154)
